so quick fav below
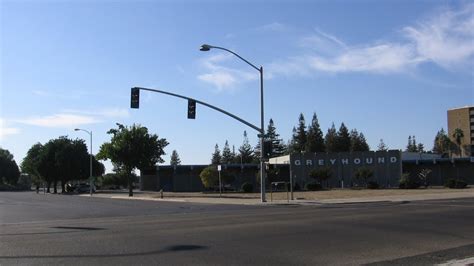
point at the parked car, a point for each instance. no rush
(83, 188)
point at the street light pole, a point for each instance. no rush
(207, 47)
(91, 181)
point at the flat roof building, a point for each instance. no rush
(462, 118)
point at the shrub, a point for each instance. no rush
(321, 174)
(246, 187)
(408, 182)
(113, 180)
(456, 183)
(364, 174)
(296, 187)
(209, 176)
(372, 185)
(424, 177)
(313, 186)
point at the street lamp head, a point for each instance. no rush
(76, 129)
(205, 47)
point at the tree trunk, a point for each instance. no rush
(55, 188)
(63, 190)
(49, 185)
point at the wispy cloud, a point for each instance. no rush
(111, 112)
(72, 94)
(445, 37)
(223, 77)
(322, 42)
(73, 118)
(383, 58)
(6, 130)
(59, 120)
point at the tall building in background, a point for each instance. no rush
(462, 118)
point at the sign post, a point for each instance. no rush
(219, 168)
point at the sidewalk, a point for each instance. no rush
(335, 196)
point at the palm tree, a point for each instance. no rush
(458, 135)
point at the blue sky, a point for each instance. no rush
(390, 69)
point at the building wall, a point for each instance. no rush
(386, 166)
(186, 178)
(462, 118)
(442, 170)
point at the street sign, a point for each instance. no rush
(219, 168)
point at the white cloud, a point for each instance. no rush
(383, 58)
(60, 120)
(112, 112)
(223, 77)
(7, 131)
(219, 79)
(447, 38)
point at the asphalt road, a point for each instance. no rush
(58, 229)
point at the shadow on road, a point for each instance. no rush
(174, 248)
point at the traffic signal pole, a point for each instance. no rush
(134, 89)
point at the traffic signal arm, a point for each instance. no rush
(200, 102)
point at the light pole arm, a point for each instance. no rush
(241, 58)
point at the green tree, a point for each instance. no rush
(358, 141)
(133, 148)
(442, 144)
(245, 150)
(227, 156)
(411, 146)
(300, 139)
(382, 146)
(458, 136)
(278, 147)
(330, 140)
(72, 161)
(30, 164)
(343, 140)
(60, 161)
(292, 143)
(174, 160)
(420, 147)
(315, 138)
(216, 156)
(9, 171)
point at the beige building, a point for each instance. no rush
(462, 118)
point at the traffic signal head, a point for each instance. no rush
(267, 148)
(191, 109)
(135, 98)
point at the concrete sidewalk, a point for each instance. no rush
(336, 196)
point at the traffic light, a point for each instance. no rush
(191, 109)
(135, 98)
(267, 148)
